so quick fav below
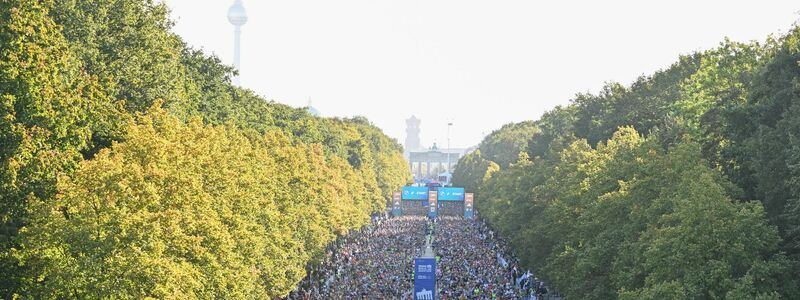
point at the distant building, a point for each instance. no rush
(412, 136)
(433, 164)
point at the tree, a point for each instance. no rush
(503, 146)
(763, 136)
(185, 210)
(129, 46)
(630, 219)
(645, 105)
(472, 171)
(44, 118)
(110, 203)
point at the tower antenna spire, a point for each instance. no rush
(238, 17)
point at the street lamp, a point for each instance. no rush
(449, 174)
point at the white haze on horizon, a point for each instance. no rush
(480, 64)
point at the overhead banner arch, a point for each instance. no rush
(451, 194)
(415, 193)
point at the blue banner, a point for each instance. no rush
(415, 193)
(424, 278)
(451, 194)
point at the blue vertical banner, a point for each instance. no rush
(425, 278)
(397, 209)
(468, 209)
(433, 203)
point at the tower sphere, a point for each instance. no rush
(236, 14)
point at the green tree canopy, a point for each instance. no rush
(689, 210)
(631, 220)
(214, 193)
(503, 146)
(47, 112)
(185, 210)
(473, 171)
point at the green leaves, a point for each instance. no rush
(504, 145)
(127, 43)
(631, 220)
(213, 193)
(184, 210)
(473, 171)
(44, 117)
(606, 213)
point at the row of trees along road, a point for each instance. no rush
(684, 184)
(131, 168)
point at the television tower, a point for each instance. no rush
(238, 17)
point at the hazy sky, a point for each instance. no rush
(480, 64)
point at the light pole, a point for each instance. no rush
(449, 174)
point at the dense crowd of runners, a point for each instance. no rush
(376, 262)
(471, 261)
